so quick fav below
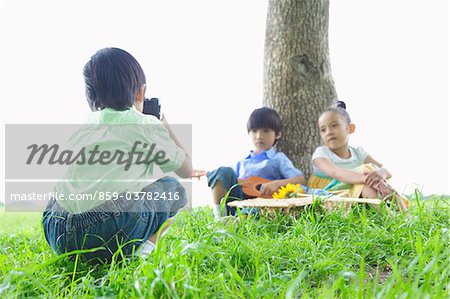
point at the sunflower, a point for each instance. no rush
(289, 191)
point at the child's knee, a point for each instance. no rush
(176, 193)
(225, 175)
(168, 194)
(226, 172)
(369, 192)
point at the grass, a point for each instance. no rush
(358, 254)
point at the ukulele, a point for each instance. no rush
(250, 187)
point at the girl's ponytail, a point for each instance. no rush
(341, 104)
(341, 108)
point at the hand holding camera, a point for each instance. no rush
(152, 107)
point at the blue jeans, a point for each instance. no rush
(228, 178)
(115, 224)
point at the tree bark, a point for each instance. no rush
(297, 73)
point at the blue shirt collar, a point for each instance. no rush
(270, 153)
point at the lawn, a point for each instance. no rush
(361, 253)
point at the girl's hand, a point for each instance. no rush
(373, 177)
(383, 188)
(270, 188)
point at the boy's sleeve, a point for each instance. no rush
(174, 155)
(287, 168)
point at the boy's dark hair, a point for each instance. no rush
(264, 118)
(339, 107)
(112, 77)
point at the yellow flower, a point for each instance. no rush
(289, 191)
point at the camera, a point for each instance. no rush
(152, 107)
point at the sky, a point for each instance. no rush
(204, 60)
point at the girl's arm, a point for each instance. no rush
(344, 175)
(378, 175)
(369, 159)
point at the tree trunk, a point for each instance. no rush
(297, 73)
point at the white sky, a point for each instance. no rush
(204, 60)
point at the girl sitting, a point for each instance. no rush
(337, 165)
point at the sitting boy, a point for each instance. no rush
(264, 128)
